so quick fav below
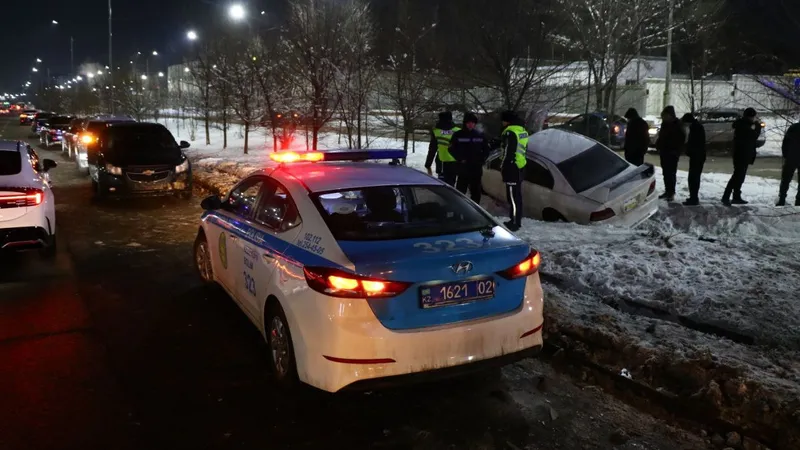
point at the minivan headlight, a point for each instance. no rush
(183, 167)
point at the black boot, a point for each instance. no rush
(726, 201)
(781, 201)
(692, 202)
(664, 196)
(739, 201)
(511, 225)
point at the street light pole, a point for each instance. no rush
(110, 59)
(71, 54)
(668, 78)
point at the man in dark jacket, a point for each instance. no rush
(637, 138)
(745, 135)
(439, 149)
(515, 145)
(696, 151)
(791, 163)
(470, 148)
(670, 145)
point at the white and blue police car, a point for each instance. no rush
(362, 274)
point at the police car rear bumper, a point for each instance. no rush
(345, 346)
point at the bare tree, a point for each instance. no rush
(133, 96)
(242, 80)
(201, 77)
(274, 85)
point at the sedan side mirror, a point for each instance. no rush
(48, 164)
(185, 144)
(211, 203)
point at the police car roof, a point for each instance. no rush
(331, 176)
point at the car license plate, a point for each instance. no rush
(630, 204)
(456, 292)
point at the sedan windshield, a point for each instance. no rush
(398, 212)
(592, 167)
(155, 139)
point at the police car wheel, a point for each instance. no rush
(202, 258)
(281, 350)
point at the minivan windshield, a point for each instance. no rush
(591, 167)
(398, 212)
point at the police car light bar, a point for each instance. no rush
(337, 155)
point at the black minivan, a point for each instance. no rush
(138, 159)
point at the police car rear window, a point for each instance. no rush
(398, 212)
(10, 163)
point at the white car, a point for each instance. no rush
(27, 205)
(570, 177)
(358, 272)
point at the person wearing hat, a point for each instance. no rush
(791, 163)
(670, 144)
(696, 151)
(470, 148)
(439, 149)
(515, 147)
(745, 134)
(637, 138)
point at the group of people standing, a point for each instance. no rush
(459, 154)
(688, 136)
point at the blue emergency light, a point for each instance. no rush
(339, 155)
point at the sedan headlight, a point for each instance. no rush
(653, 131)
(113, 170)
(183, 167)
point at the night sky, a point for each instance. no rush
(139, 25)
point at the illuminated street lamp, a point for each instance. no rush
(99, 72)
(144, 77)
(55, 22)
(155, 53)
(191, 35)
(237, 12)
(161, 74)
(35, 69)
(90, 75)
(38, 60)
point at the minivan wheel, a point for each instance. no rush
(281, 349)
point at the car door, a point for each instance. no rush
(537, 189)
(275, 225)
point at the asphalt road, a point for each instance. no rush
(115, 345)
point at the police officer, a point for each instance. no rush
(514, 145)
(696, 151)
(791, 163)
(439, 148)
(470, 148)
(745, 135)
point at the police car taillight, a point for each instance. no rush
(527, 266)
(338, 283)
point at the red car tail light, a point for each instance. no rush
(605, 214)
(527, 266)
(338, 283)
(21, 197)
(652, 188)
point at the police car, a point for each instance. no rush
(360, 274)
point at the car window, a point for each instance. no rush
(10, 163)
(242, 200)
(537, 174)
(577, 120)
(399, 212)
(277, 210)
(34, 158)
(591, 167)
(140, 139)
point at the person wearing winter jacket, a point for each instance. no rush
(791, 163)
(637, 138)
(515, 147)
(696, 151)
(745, 135)
(470, 148)
(439, 149)
(670, 144)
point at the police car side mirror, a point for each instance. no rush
(211, 203)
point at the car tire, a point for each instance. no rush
(51, 250)
(551, 215)
(281, 347)
(202, 259)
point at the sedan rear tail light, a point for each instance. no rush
(527, 266)
(652, 188)
(338, 283)
(605, 214)
(21, 197)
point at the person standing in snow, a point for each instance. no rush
(670, 144)
(439, 149)
(745, 135)
(791, 163)
(637, 138)
(470, 148)
(515, 147)
(696, 151)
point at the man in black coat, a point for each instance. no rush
(791, 163)
(637, 138)
(745, 134)
(470, 148)
(696, 151)
(670, 144)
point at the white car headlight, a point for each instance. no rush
(113, 170)
(653, 131)
(183, 167)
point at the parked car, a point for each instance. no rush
(718, 124)
(26, 116)
(53, 130)
(88, 137)
(607, 129)
(27, 205)
(38, 122)
(570, 177)
(69, 141)
(138, 159)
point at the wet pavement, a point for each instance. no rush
(116, 345)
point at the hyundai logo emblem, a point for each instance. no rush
(462, 268)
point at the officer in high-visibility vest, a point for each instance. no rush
(439, 148)
(514, 145)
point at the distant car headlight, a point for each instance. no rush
(183, 167)
(653, 131)
(113, 170)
